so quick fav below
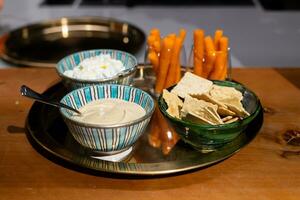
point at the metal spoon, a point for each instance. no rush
(26, 91)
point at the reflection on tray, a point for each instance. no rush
(162, 135)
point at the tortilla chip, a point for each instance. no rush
(214, 114)
(221, 93)
(208, 98)
(238, 109)
(200, 109)
(191, 84)
(225, 119)
(173, 102)
(196, 118)
(230, 97)
(222, 111)
(232, 120)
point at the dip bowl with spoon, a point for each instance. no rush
(107, 138)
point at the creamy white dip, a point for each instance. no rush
(109, 112)
(98, 67)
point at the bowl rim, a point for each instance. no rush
(91, 125)
(246, 120)
(121, 74)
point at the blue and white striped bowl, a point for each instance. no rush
(107, 139)
(69, 62)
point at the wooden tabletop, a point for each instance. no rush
(267, 168)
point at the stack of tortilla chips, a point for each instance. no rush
(198, 100)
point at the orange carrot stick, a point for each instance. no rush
(150, 41)
(170, 79)
(154, 60)
(209, 58)
(155, 31)
(218, 35)
(182, 34)
(157, 46)
(224, 73)
(220, 65)
(224, 45)
(171, 36)
(198, 51)
(164, 61)
(220, 68)
(172, 72)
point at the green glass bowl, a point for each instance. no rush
(210, 137)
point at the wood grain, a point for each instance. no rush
(259, 171)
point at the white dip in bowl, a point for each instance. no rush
(94, 68)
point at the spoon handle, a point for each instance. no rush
(26, 91)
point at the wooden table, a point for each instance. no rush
(265, 169)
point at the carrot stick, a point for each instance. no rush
(153, 42)
(224, 73)
(175, 60)
(182, 34)
(209, 56)
(218, 35)
(156, 43)
(224, 45)
(172, 69)
(171, 36)
(164, 61)
(157, 46)
(155, 31)
(150, 41)
(154, 60)
(220, 68)
(198, 51)
(220, 65)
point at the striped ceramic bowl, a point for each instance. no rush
(69, 62)
(107, 139)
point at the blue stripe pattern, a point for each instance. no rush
(105, 139)
(71, 61)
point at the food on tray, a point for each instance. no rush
(164, 55)
(200, 111)
(95, 68)
(210, 55)
(198, 51)
(187, 85)
(109, 112)
(204, 102)
(173, 102)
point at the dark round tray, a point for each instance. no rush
(49, 135)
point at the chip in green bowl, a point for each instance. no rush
(210, 137)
